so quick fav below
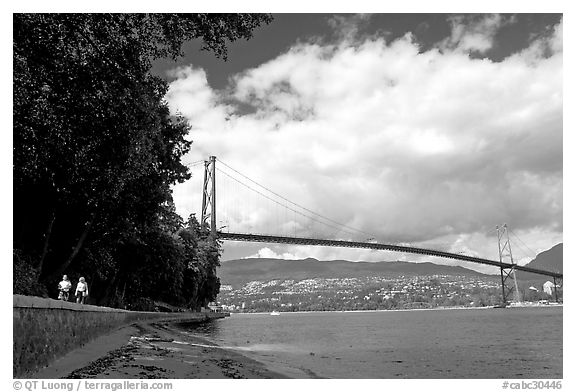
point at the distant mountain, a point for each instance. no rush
(549, 260)
(239, 272)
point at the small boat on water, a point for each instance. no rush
(275, 313)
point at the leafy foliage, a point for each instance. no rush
(96, 151)
(25, 278)
(177, 268)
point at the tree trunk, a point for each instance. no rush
(46, 243)
(122, 300)
(76, 249)
(110, 287)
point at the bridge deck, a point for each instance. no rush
(377, 246)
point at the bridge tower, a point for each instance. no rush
(507, 275)
(209, 195)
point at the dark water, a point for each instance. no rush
(466, 343)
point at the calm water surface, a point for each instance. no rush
(464, 343)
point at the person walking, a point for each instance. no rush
(81, 291)
(64, 288)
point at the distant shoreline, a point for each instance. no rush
(402, 310)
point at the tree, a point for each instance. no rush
(201, 284)
(95, 147)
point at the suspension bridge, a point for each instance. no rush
(252, 212)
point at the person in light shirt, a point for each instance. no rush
(64, 287)
(81, 291)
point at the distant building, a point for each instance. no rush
(547, 287)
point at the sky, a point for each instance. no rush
(420, 129)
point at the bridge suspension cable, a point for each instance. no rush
(302, 211)
(193, 164)
(333, 223)
(284, 205)
(533, 253)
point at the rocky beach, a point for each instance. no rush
(155, 351)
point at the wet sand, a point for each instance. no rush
(154, 351)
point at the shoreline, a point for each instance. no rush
(156, 350)
(402, 310)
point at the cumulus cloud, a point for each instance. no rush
(544, 46)
(267, 253)
(474, 33)
(410, 146)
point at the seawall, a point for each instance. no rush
(45, 329)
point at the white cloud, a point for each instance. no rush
(543, 46)
(267, 253)
(408, 145)
(474, 33)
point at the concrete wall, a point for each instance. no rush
(46, 329)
